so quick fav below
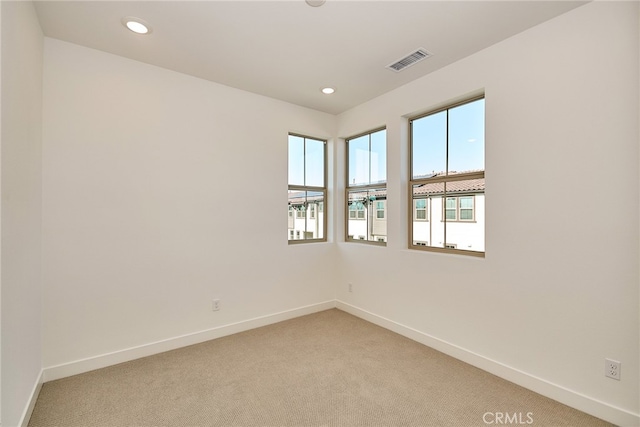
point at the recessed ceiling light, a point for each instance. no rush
(328, 90)
(315, 3)
(136, 25)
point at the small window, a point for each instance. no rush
(307, 187)
(380, 213)
(420, 210)
(356, 210)
(301, 212)
(366, 191)
(460, 208)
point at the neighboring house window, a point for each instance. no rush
(356, 210)
(307, 188)
(459, 208)
(420, 210)
(447, 184)
(291, 220)
(380, 212)
(366, 191)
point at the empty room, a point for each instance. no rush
(462, 239)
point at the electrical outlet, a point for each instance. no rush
(350, 287)
(612, 369)
(216, 305)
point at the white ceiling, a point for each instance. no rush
(288, 50)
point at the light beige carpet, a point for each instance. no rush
(325, 369)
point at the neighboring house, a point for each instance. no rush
(463, 210)
(305, 216)
(367, 218)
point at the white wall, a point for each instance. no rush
(558, 290)
(150, 179)
(149, 176)
(21, 209)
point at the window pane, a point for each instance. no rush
(359, 161)
(307, 222)
(451, 209)
(468, 232)
(296, 206)
(357, 225)
(314, 174)
(466, 214)
(466, 137)
(379, 157)
(428, 233)
(429, 145)
(367, 216)
(315, 223)
(296, 160)
(380, 210)
(466, 202)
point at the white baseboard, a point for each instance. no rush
(26, 415)
(85, 365)
(618, 416)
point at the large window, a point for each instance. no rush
(366, 192)
(447, 179)
(307, 189)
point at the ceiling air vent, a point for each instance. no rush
(409, 60)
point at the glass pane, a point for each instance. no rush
(296, 160)
(314, 173)
(429, 145)
(380, 210)
(428, 233)
(359, 161)
(315, 222)
(379, 157)
(450, 210)
(297, 200)
(308, 220)
(466, 214)
(451, 215)
(468, 233)
(466, 202)
(466, 137)
(367, 215)
(357, 224)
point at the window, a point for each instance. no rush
(420, 210)
(291, 221)
(366, 191)
(447, 183)
(301, 211)
(380, 211)
(307, 188)
(356, 209)
(459, 208)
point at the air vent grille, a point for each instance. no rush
(409, 60)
